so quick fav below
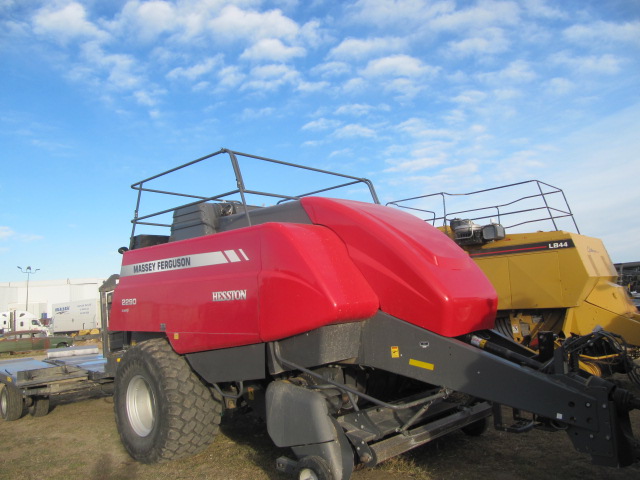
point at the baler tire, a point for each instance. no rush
(39, 407)
(11, 403)
(163, 410)
(313, 467)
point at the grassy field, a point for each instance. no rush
(79, 441)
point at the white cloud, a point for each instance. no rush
(234, 23)
(144, 98)
(539, 8)
(397, 66)
(518, 71)
(355, 109)
(331, 69)
(230, 77)
(462, 170)
(504, 94)
(6, 232)
(416, 165)
(354, 85)
(321, 124)
(252, 113)
(420, 129)
(354, 130)
(559, 86)
(186, 21)
(273, 50)
(604, 33)
(358, 49)
(270, 77)
(404, 89)
(489, 41)
(485, 14)
(312, 34)
(149, 96)
(196, 71)
(401, 13)
(345, 152)
(606, 64)
(470, 97)
(66, 23)
(309, 87)
(147, 20)
(121, 70)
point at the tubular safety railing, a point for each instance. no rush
(241, 189)
(508, 210)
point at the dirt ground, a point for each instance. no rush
(79, 441)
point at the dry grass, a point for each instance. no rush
(80, 441)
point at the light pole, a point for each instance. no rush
(29, 272)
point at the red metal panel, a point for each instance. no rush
(307, 281)
(419, 274)
(245, 286)
(202, 292)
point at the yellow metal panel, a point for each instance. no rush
(612, 297)
(535, 281)
(587, 316)
(583, 267)
(497, 271)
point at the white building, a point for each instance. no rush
(43, 294)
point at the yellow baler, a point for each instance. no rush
(556, 281)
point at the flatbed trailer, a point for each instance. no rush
(28, 384)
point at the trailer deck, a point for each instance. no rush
(61, 371)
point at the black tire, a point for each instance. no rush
(476, 429)
(314, 468)
(163, 411)
(11, 403)
(62, 345)
(39, 406)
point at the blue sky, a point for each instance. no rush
(418, 96)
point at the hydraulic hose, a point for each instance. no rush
(504, 352)
(625, 400)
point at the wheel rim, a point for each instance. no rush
(307, 474)
(140, 406)
(3, 402)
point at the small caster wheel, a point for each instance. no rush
(314, 468)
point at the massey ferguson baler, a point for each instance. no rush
(356, 330)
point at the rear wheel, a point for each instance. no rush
(314, 468)
(11, 403)
(39, 407)
(163, 411)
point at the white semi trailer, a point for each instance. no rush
(75, 316)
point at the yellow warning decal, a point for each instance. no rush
(419, 364)
(176, 336)
(395, 352)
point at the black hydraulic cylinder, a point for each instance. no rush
(504, 352)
